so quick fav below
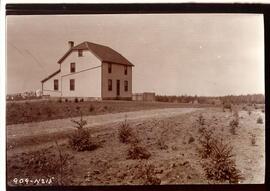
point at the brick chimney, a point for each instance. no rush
(71, 44)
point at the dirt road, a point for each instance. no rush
(62, 126)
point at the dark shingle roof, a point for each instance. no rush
(103, 53)
(50, 76)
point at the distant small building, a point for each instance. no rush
(146, 96)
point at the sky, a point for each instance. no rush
(173, 54)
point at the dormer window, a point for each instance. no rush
(72, 67)
(125, 70)
(80, 53)
(109, 68)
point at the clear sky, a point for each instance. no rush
(173, 54)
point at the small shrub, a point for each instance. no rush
(136, 151)
(66, 100)
(147, 172)
(161, 141)
(253, 140)
(221, 166)
(49, 111)
(80, 140)
(91, 108)
(79, 124)
(201, 130)
(244, 108)
(59, 100)
(206, 143)
(227, 105)
(81, 100)
(236, 114)
(126, 134)
(260, 120)
(161, 144)
(191, 140)
(201, 120)
(233, 125)
(76, 100)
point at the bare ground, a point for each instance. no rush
(179, 163)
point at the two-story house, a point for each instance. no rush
(92, 71)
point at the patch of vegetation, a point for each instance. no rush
(148, 173)
(80, 140)
(191, 140)
(126, 134)
(234, 124)
(227, 105)
(161, 140)
(201, 120)
(221, 167)
(91, 108)
(48, 162)
(137, 151)
(206, 143)
(161, 144)
(76, 100)
(253, 139)
(260, 120)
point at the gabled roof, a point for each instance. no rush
(103, 53)
(50, 76)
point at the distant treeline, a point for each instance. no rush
(249, 99)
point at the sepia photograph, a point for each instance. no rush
(135, 99)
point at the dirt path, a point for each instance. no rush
(53, 127)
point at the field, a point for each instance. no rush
(36, 110)
(165, 145)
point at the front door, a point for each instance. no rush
(118, 88)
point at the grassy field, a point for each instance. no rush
(43, 110)
(164, 149)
